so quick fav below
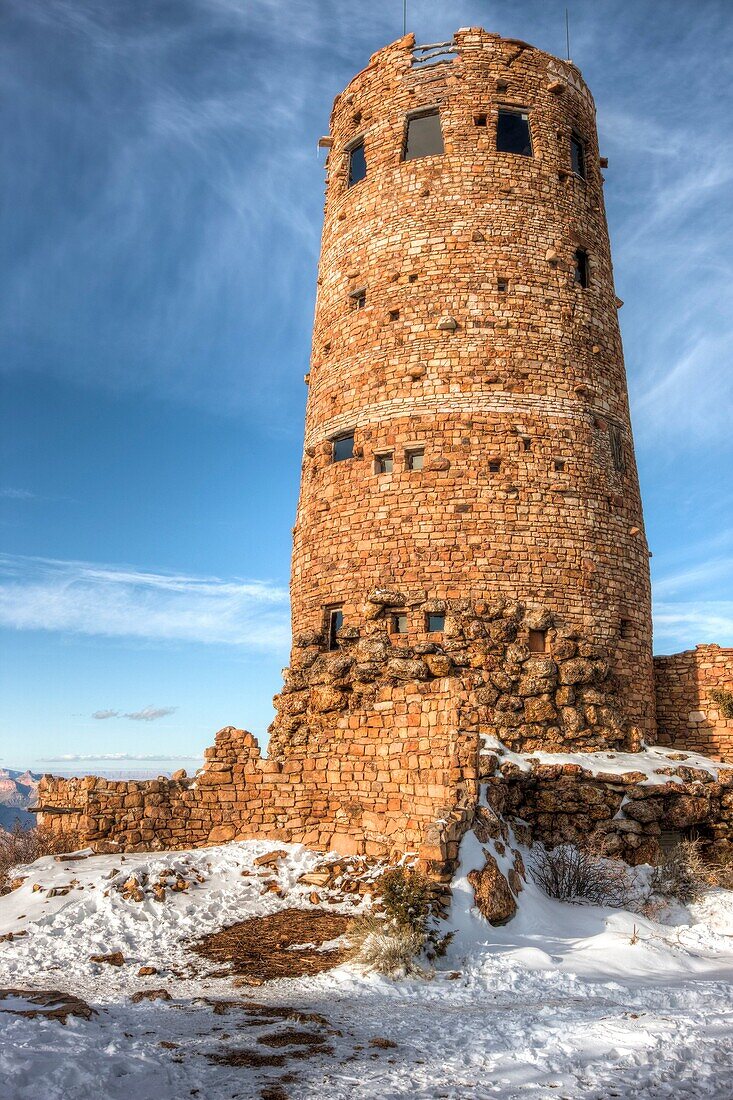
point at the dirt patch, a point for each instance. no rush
(292, 1037)
(279, 945)
(51, 1004)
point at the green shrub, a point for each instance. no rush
(406, 895)
(723, 700)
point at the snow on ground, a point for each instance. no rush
(653, 760)
(558, 1003)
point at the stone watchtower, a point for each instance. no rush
(469, 560)
(469, 502)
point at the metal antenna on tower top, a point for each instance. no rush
(567, 32)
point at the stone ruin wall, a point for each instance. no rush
(695, 700)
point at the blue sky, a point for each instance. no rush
(159, 229)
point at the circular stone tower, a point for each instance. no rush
(469, 476)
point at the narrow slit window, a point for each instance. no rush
(616, 440)
(537, 641)
(502, 285)
(512, 133)
(526, 443)
(581, 268)
(357, 163)
(435, 622)
(577, 156)
(423, 138)
(343, 447)
(383, 463)
(358, 299)
(625, 628)
(414, 460)
(399, 622)
(335, 622)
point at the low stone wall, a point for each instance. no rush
(695, 700)
(400, 783)
(628, 814)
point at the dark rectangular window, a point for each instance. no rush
(616, 440)
(434, 622)
(512, 133)
(335, 622)
(399, 622)
(479, 120)
(577, 156)
(526, 443)
(358, 299)
(424, 137)
(343, 447)
(357, 163)
(494, 466)
(537, 641)
(502, 286)
(383, 463)
(581, 268)
(559, 465)
(414, 459)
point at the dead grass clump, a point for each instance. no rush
(683, 873)
(19, 846)
(583, 875)
(388, 947)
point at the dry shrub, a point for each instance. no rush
(574, 874)
(684, 874)
(387, 947)
(19, 846)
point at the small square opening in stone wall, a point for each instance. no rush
(334, 622)
(357, 163)
(479, 120)
(502, 285)
(414, 459)
(423, 136)
(512, 132)
(582, 271)
(435, 622)
(537, 641)
(398, 622)
(494, 465)
(342, 448)
(358, 298)
(577, 155)
(383, 463)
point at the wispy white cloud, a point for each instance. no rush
(70, 757)
(147, 714)
(702, 620)
(85, 598)
(16, 494)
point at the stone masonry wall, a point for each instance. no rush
(397, 782)
(695, 700)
